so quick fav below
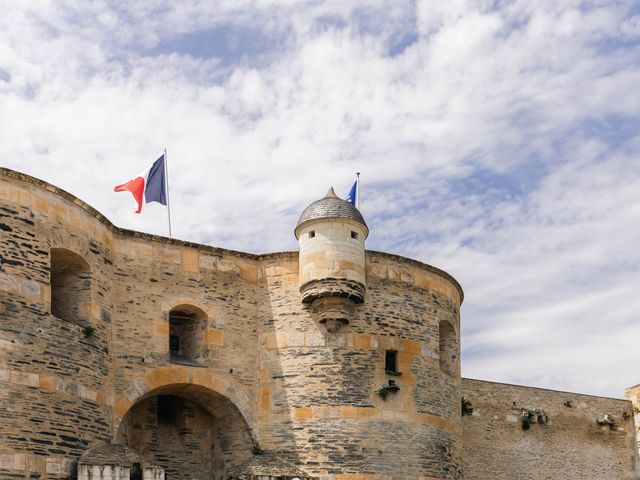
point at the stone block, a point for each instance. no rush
(302, 413)
(29, 288)
(413, 347)
(24, 378)
(265, 399)
(6, 461)
(53, 466)
(215, 338)
(161, 330)
(122, 406)
(314, 339)
(249, 271)
(8, 283)
(190, 261)
(19, 461)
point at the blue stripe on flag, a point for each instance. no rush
(155, 188)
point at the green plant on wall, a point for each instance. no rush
(466, 407)
(609, 420)
(383, 392)
(88, 331)
(387, 389)
(533, 415)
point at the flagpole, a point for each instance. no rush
(358, 190)
(166, 180)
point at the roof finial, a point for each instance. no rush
(331, 193)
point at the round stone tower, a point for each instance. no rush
(331, 234)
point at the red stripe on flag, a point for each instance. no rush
(136, 187)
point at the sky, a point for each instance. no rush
(496, 140)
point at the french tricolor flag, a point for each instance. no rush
(150, 185)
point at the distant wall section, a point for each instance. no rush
(633, 394)
(571, 445)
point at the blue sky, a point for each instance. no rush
(498, 140)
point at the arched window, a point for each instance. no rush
(187, 325)
(70, 286)
(448, 348)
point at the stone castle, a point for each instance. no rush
(128, 355)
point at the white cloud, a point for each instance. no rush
(497, 143)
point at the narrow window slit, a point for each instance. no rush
(390, 363)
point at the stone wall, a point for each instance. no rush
(263, 372)
(319, 390)
(633, 394)
(267, 367)
(571, 445)
(54, 369)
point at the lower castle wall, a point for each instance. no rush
(570, 446)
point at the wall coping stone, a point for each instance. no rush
(467, 379)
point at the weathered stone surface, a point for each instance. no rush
(268, 376)
(571, 445)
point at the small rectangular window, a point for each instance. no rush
(312, 233)
(390, 365)
(354, 235)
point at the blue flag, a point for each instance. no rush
(155, 188)
(352, 194)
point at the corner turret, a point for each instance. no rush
(331, 234)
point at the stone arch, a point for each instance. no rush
(448, 347)
(171, 408)
(194, 381)
(173, 302)
(70, 280)
(78, 244)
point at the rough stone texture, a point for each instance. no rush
(267, 376)
(189, 442)
(570, 446)
(633, 394)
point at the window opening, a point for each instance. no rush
(70, 277)
(312, 234)
(390, 362)
(354, 235)
(186, 333)
(448, 348)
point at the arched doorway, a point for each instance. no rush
(191, 431)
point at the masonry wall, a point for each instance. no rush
(268, 376)
(570, 446)
(319, 391)
(633, 394)
(54, 369)
(154, 277)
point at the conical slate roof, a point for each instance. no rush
(331, 206)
